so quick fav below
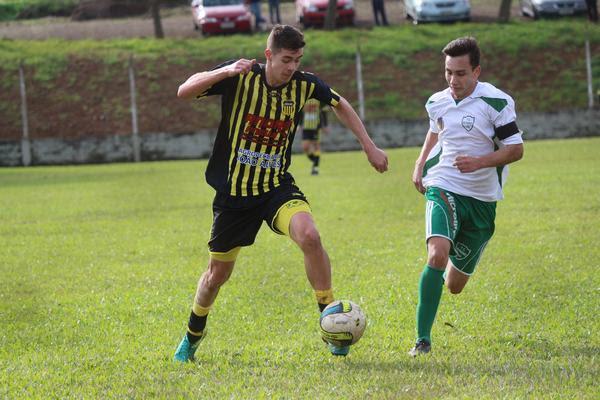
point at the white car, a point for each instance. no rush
(437, 10)
(549, 8)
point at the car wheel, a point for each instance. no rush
(196, 27)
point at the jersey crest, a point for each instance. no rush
(468, 121)
(288, 107)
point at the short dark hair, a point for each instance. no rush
(462, 46)
(285, 37)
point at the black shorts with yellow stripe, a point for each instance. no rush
(236, 220)
(310, 134)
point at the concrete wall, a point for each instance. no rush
(165, 146)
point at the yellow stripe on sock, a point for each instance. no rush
(199, 310)
(324, 296)
(195, 333)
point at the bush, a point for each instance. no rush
(20, 9)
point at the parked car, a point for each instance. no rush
(549, 8)
(221, 16)
(312, 12)
(437, 10)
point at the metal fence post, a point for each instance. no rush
(134, 121)
(588, 64)
(359, 84)
(25, 145)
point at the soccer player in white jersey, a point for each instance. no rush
(472, 136)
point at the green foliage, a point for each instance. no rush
(397, 42)
(16, 9)
(99, 265)
(539, 83)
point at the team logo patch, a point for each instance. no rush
(467, 122)
(461, 250)
(288, 107)
(440, 123)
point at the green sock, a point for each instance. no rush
(430, 293)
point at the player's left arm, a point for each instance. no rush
(509, 135)
(348, 117)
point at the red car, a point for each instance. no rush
(313, 12)
(221, 16)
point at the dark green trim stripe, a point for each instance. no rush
(431, 162)
(497, 104)
(500, 168)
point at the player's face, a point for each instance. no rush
(461, 77)
(283, 64)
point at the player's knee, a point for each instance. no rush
(215, 277)
(454, 288)
(437, 259)
(214, 280)
(309, 239)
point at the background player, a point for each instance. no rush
(314, 121)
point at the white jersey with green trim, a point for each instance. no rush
(468, 128)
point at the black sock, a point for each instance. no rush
(196, 325)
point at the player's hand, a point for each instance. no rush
(241, 66)
(417, 178)
(467, 164)
(378, 159)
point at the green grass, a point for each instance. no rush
(99, 265)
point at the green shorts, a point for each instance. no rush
(467, 222)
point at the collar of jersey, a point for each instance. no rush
(473, 95)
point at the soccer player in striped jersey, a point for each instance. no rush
(472, 136)
(313, 121)
(249, 164)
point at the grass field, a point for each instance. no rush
(99, 264)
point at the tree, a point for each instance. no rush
(155, 9)
(504, 14)
(331, 15)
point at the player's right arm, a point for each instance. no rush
(417, 177)
(199, 83)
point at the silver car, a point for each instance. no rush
(437, 10)
(548, 8)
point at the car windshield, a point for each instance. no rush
(212, 3)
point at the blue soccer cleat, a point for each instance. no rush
(338, 350)
(186, 350)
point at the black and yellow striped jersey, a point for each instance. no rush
(253, 147)
(313, 115)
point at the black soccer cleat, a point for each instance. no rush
(421, 347)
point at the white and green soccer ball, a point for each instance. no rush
(342, 323)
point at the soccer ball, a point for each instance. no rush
(342, 323)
